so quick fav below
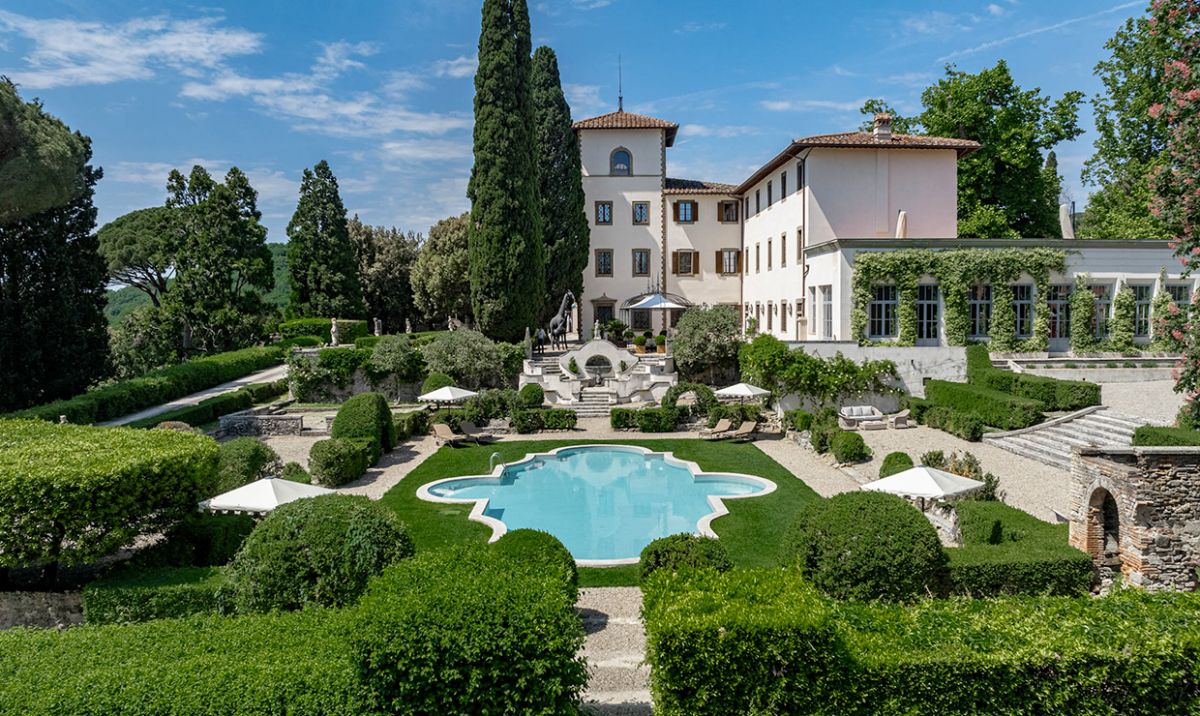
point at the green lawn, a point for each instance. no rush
(752, 531)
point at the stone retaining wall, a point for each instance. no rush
(40, 609)
(258, 422)
(1157, 497)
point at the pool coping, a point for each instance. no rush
(499, 528)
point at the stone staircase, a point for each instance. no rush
(615, 649)
(593, 403)
(1052, 441)
(548, 363)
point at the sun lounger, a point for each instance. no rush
(718, 431)
(899, 420)
(446, 436)
(745, 432)
(474, 433)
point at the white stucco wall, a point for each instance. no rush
(707, 236)
(858, 193)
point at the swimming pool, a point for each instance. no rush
(605, 502)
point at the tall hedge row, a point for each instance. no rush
(209, 409)
(366, 416)
(993, 407)
(1156, 436)
(447, 633)
(71, 493)
(1054, 393)
(123, 397)
(763, 641)
(1007, 551)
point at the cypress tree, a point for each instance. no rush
(321, 262)
(560, 184)
(53, 334)
(505, 239)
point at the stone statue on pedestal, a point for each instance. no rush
(378, 327)
(333, 332)
(407, 326)
(561, 323)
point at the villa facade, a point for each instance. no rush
(780, 247)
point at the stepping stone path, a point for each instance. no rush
(618, 677)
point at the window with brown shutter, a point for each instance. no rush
(719, 266)
(675, 262)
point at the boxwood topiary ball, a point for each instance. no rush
(684, 551)
(866, 546)
(317, 551)
(541, 552)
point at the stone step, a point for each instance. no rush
(1086, 434)
(1024, 447)
(1116, 420)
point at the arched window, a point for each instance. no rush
(620, 164)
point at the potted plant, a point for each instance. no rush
(639, 344)
(661, 342)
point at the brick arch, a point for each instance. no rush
(1104, 526)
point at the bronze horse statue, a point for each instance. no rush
(561, 323)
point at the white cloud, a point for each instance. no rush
(1040, 30)
(417, 150)
(934, 22)
(584, 99)
(336, 58)
(155, 173)
(910, 79)
(995, 10)
(721, 132)
(810, 105)
(69, 53)
(459, 67)
(401, 82)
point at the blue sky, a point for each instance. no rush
(383, 90)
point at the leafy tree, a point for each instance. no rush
(1176, 199)
(385, 259)
(560, 185)
(900, 123)
(439, 290)
(505, 236)
(53, 335)
(42, 163)
(1130, 141)
(321, 261)
(144, 340)
(706, 344)
(139, 249)
(221, 263)
(1016, 127)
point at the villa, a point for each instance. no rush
(781, 247)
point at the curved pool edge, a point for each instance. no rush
(499, 528)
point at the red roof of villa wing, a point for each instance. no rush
(694, 186)
(861, 140)
(628, 120)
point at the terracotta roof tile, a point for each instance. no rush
(694, 186)
(628, 120)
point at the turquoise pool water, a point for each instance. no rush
(603, 502)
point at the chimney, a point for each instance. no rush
(883, 126)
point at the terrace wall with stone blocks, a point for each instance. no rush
(1155, 491)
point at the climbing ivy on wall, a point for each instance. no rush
(1083, 338)
(956, 270)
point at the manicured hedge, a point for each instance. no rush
(121, 398)
(531, 421)
(967, 426)
(461, 632)
(764, 642)
(647, 420)
(1154, 436)
(162, 593)
(866, 545)
(799, 420)
(1008, 551)
(294, 663)
(535, 549)
(203, 412)
(434, 381)
(320, 551)
(244, 460)
(300, 342)
(336, 461)
(411, 424)
(531, 396)
(452, 417)
(706, 400)
(202, 539)
(683, 551)
(349, 331)
(848, 447)
(453, 633)
(74, 494)
(1053, 393)
(895, 462)
(991, 406)
(366, 416)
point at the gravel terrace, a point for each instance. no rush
(1154, 400)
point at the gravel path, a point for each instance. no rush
(618, 677)
(378, 480)
(814, 470)
(270, 375)
(1154, 400)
